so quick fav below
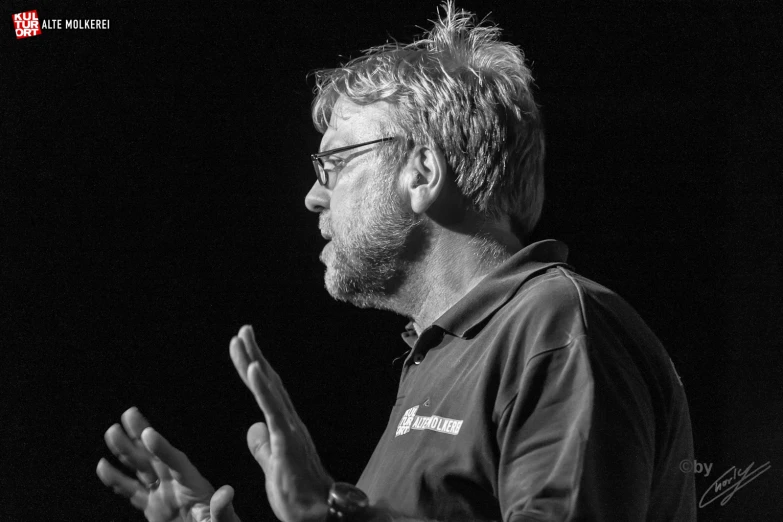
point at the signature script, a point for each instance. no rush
(733, 480)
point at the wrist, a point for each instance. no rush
(316, 513)
(315, 507)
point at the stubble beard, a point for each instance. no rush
(370, 258)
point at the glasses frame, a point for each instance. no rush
(321, 173)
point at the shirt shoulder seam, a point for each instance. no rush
(580, 295)
(527, 364)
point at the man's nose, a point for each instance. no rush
(317, 200)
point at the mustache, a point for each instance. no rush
(325, 224)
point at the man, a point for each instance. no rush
(529, 392)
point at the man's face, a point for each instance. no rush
(361, 211)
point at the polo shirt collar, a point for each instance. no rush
(466, 317)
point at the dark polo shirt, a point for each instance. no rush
(540, 395)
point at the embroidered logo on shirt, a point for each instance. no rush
(411, 421)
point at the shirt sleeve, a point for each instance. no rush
(572, 446)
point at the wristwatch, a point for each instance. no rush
(347, 503)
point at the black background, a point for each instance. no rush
(152, 198)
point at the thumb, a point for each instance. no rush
(220, 508)
(258, 443)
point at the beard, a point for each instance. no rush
(368, 260)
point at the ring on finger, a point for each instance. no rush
(152, 486)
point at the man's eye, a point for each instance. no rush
(334, 165)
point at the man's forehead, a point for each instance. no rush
(350, 122)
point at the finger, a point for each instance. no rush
(178, 463)
(251, 334)
(248, 338)
(134, 422)
(239, 358)
(122, 484)
(266, 398)
(259, 444)
(220, 507)
(134, 456)
(242, 355)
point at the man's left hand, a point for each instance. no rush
(297, 484)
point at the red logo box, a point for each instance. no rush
(26, 24)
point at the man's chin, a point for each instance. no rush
(347, 291)
(350, 281)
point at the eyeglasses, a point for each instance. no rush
(320, 171)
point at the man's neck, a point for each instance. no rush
(453, 265)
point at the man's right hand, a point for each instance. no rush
(167, 486)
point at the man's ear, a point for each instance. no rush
(426, 177)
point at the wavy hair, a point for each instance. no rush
(461, 89)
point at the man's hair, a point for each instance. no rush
(462, 90)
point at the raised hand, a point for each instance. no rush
(167, 486)
(296, 483)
